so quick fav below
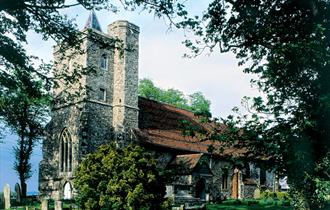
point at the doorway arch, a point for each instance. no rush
(67, 191)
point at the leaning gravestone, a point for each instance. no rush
(18, 193)
(6, 195)
(257, 193)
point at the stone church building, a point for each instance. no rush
(108, 108)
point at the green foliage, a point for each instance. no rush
(195, 102)
(199, 104)
(287, 45)
(275, 195)
(247, 204)
(114, 178)
(23, 109)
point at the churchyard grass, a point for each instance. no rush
(245, 207)
(251, 204)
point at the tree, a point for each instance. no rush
(149, 90)
(287, 44)
(115, 178)
(23, 108)
(195, 102)
(199, 104)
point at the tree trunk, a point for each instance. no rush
(23, 188)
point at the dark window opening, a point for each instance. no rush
(201, 189)
(224, 177)
(102, 95)
(262, 176)
(104, 62)
(247, 172)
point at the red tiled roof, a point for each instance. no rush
(160, 125)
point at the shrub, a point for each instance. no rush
(119, 179)
(274, 195)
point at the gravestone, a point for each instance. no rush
(18, 193)
(58, 205)
(256, 193)
(44, 204)
(6, 195)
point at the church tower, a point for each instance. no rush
(101, 106)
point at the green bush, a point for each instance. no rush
(274, 195)
(286, 203)
(119, 179)
(273, 199)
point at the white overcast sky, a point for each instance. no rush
(217, 75)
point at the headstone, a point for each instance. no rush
(256, 193)
(6, 195)
(207, 197)
(44, 204)
(18, 193)
(58, 205)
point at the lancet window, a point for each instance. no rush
(104, 62)
(65, 151)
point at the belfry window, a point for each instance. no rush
(104, 62)
(65, 151)
(102, 95)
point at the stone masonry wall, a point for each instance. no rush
(66, 63)
(219, 167)
(125, 97)
(101, 78)
(51, 180)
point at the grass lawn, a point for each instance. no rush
(251, 204)
(246, 207)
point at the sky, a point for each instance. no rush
(216, 75)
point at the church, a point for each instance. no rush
(108, 108)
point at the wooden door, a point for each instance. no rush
(234, 188)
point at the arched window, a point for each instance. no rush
(67, 191)
(104, 62)
(65, 151)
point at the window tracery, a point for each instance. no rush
(65, 151)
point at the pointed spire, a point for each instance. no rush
(92, 22)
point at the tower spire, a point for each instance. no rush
(92, 22)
